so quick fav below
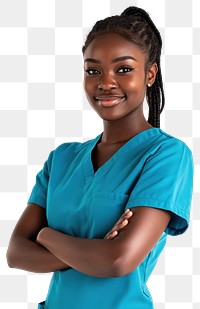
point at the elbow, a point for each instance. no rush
(15, 253)
(10, 265)
(122, 264)
(121, 268)
(10, 259)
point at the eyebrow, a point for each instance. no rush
(113, 61)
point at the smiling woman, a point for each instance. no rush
(100, 211)
(115, 76)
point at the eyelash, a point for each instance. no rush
(89, 70)
(124, 68)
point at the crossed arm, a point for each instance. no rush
(38, 248)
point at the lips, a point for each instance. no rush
(109, 101)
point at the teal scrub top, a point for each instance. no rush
(152, 169)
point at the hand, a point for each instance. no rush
(119, 225)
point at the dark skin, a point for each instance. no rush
(115, 89)
(121, 78)
(25, 253)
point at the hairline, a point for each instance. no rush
(126, 36)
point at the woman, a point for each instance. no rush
(133, 171)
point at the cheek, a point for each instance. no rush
(89, 92)
(85, 84)
(135, 87)
(135, 81)
(136, 92)
(88, 86)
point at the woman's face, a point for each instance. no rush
(114, 77)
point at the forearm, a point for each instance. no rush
(30, 256)
(94, 257)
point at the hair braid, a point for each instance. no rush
(135, 25)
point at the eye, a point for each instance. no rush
(92, 72)
(125, 69)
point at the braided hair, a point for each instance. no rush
(135, 25)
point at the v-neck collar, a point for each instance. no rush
(133, 142)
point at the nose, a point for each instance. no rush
(107, 82)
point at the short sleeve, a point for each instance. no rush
(166, 182)
(39, 191)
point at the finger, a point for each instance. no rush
(123, 224)
(128, 215)
(123, 217)
(125, 213)
(118, 222)
(112, 235)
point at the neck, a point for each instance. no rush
(121, 130)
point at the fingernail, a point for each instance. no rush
(124, 221)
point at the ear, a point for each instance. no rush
(151, 74)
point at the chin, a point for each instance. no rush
(110, 116)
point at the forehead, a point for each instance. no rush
(112, 45)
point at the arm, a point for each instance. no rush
(104, 258)
(23, 252)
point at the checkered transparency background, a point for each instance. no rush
(42, 104)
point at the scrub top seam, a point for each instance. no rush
(134, 141)
(149, 200)
(88, 171)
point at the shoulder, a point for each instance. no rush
(68, 151)
(72, 147)
(169, 153)
(172, 146)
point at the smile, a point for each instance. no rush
(109, 101)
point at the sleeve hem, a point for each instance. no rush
(180, 218)
(37, 200)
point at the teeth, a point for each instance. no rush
(110, 103)
(108, 98)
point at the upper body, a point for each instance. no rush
(84, 188)
(145, 174)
